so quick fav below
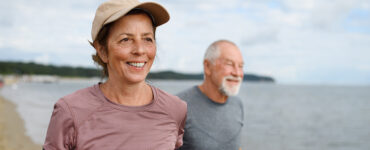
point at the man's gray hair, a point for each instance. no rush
(213, 51)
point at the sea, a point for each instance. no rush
(277, 116)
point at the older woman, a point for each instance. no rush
(124, 112)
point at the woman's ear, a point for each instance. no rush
(102, 52)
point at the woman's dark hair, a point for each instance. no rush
(102, 38)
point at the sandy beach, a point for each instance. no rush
(12, 131)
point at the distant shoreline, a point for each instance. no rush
(22, 68)
(12, 130)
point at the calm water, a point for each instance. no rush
(278, 117)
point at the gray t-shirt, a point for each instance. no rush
(210, 125)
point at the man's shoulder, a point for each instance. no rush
(187, 94)
(236, 101)
(237, 98)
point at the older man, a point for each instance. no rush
(215, 117)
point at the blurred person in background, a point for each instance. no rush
(215, 116)
(1, 82)
(124, 112)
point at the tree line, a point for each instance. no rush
(31, 68)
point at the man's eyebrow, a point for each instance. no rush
(230, 60)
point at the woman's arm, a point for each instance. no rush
(61, 133)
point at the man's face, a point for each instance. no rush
(227, 70)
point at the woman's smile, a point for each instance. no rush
(137, 65)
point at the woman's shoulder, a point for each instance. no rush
(168, 98)
(82, 101)
(82, 95)
(171, 103)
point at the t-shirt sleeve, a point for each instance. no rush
(181, 133)
(61, 131)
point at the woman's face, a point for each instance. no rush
(131, 48)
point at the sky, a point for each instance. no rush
(293, 41)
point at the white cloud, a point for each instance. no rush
(294, 41)
(43, 59)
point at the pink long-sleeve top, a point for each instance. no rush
(87, 120)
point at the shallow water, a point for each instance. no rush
(277, 117)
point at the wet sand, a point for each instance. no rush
(12, 131)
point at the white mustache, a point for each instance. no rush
(239, 79)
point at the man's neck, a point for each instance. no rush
(212, 92)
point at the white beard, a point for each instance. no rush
(230, 90)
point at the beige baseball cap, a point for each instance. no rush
(112, 10)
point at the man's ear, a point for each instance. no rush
(207, 67)
(102, 52)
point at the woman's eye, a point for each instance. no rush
(124, 40)
(149, 39)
